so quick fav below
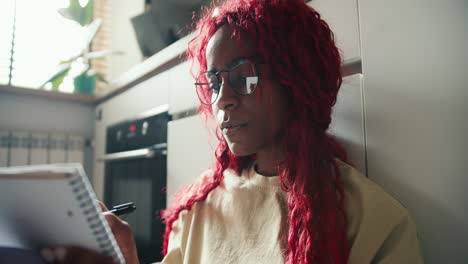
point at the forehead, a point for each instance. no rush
(223, 48)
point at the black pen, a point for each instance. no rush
(122, 209)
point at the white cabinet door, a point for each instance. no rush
(182, 94)
(143, 97)
(190, 152)
(99, 151)
(415, 86)
(342, 17)
(348, 121)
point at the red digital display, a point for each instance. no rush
(132, 128)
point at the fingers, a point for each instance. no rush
(115, 222)
(103, 206)
(81, 255)
(117, 225)
(124, 237)
(72, 254)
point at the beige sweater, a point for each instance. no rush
(246, 222)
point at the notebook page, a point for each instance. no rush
(50, 205)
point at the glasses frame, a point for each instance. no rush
(221, 82)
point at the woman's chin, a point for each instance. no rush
(239, 150)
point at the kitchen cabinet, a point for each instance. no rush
(182, 94)
(144, 96)
(342, 17)
(415, 90)
(190, 151)
(348, 121)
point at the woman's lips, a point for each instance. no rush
(232, 130)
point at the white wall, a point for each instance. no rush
(24, 112)
(415, 62)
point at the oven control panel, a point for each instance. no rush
(138, 133)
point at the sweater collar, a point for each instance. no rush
(250, 178)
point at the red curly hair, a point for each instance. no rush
(300, 51)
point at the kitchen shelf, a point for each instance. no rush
(67, 97)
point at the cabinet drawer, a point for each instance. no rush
(342, 17)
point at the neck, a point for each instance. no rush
(267, 162)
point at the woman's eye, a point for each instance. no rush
(214, 87)
(241, 81)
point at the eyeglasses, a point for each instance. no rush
(242, 78)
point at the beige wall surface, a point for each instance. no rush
(414, 63)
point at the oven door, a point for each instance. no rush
(139, 176)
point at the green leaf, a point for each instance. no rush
(57, 80)
(88, 15)
(58, 76)
(82, 15)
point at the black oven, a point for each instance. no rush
(135, 171)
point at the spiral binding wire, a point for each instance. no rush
(93, 217)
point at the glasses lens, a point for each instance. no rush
(207, 87)
(244, 78)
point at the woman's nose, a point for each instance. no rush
(227, 98)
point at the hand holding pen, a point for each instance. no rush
(122, 230)
(122, 234)
(123, 209)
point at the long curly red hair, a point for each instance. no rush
(300, 50)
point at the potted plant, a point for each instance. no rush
(78, 66)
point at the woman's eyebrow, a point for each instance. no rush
(253, 57)
(230, 64)
(235, 62)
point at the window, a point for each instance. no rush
(34, 39)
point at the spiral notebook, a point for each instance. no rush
(49, 205)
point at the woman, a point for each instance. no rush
(280, 190)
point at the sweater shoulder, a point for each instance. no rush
(368, 206)
(359, 188)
